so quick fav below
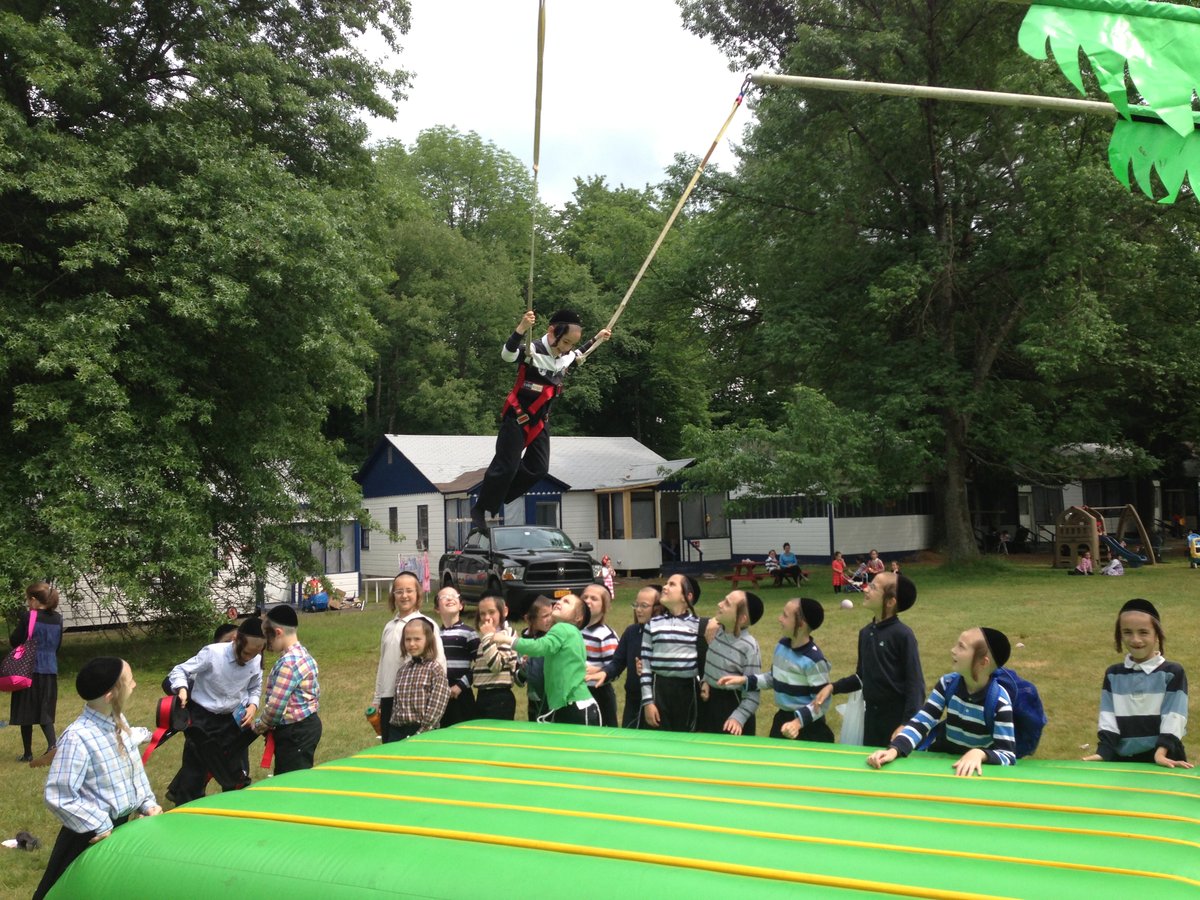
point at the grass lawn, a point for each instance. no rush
(1064, 623)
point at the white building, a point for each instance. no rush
(615, 493)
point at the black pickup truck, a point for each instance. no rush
(518, 562)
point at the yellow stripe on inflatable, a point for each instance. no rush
(720, 829)
(890, 773)
(879, 887)
(845, 792)
(768, 804)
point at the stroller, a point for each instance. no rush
(857, 581)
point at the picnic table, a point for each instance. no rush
(745, 571)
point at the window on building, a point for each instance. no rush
(642, 514)
(393, 522)
(364, 539)
(423, 527)
(704, 516)
(546, 514)
(610, 510)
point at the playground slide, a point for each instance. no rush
(1115, 548)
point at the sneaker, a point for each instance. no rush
(25, 757)
(45, 759)
(478, 519)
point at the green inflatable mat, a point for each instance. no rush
(510, 809)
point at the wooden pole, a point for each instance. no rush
(928, 92)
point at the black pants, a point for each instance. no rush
(880, 720)
(676, 702)
(496, 703)
(460, 709)
(67, 848)
(717, 708)
(573, 715)
(515, 468)
(404, 730)
(817, 732)
(296, 744)
(631, 716)
(606, 702)
(213, 744)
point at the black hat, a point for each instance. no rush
(284, 615)
(906, 592)
(99, 676)
(999, 649)
(1137, 604)
(566, 317)
(691, 586)
(252, 627)
(812, 612)
(754, 607)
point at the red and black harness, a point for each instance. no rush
(530, 417)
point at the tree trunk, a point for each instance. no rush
(960, 541)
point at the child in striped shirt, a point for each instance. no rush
(799, 671)
(495, 664)
(1144, 701)
(671, 659)
(732, 650)
(963, 696)
(600, 642)
(460, 643)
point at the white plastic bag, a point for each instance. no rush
(853, 713)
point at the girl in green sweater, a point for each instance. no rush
(567, 693)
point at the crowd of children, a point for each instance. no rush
(683, 673)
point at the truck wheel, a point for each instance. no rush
(494, 589)
(447, 581)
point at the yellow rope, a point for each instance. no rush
(747, 832)
(537, 152)
(845, 792)
(725, 868)
(671, 219)
(762, 804)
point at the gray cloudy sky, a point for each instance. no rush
(625, 86)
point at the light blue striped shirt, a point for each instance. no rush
(730, 654)
(90, 783)
(220, 685)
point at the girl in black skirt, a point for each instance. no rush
(38, 704)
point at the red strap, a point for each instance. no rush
(268, 750)
(162, 729)
(32, 622)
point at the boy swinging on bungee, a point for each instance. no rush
(523, 444)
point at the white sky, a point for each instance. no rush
(625, 86)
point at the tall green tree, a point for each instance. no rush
(185, 257)
(967, 285)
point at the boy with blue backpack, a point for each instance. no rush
(977, 698)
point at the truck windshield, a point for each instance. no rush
(530, 539)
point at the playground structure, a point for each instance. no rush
(1082, 528)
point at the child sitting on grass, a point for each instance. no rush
(962, 696)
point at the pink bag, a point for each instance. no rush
(16, 670)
